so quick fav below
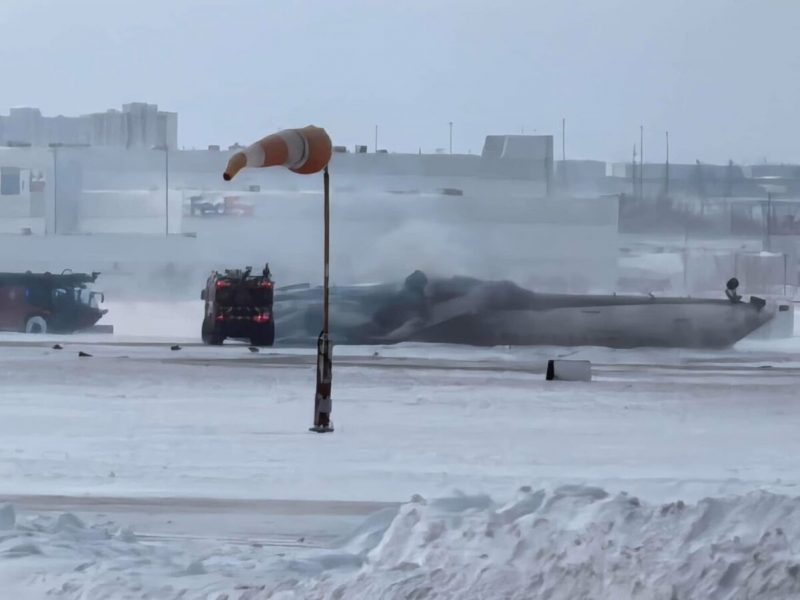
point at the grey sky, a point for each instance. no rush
(722, 75)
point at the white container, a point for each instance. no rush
(569, 370)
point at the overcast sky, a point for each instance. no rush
(722, 75)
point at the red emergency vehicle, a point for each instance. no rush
(49, 303)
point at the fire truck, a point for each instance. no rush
(49, 303)
(238, 305)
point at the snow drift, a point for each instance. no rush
(578, 542)
(573, 542)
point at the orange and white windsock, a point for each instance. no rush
(305, 151)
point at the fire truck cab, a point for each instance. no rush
(238, 305)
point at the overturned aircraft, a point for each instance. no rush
(464, 310)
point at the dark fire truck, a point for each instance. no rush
(238, 305)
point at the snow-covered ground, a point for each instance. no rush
(192, 472)
(567, 543)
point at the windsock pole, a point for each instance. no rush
(322, 398)
(304, 151)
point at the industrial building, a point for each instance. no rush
(120, 173)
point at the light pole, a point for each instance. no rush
(451, 137)
(666, 170)
(564, 151)
(768, 245)
(165, 149)
(641, 160)
(54, 147)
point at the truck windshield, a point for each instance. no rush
(75, 295)
(87, 297)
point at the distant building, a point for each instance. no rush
(137, 125)
(518, 156)
(680, 171)
(580, 170)
(791, 172)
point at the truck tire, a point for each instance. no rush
(36, 324)
(265, 337)
(210, 337)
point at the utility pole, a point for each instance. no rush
(641, 160)
(564, 151)
(451, 137)
(633, 173)
(376, 139)
(166, 188)
(666, 170)
(686, 247)
(322, 397)
(55, 189)
(686, 215)
(768, 244)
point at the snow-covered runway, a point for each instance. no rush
(206, 450)
(138, 419)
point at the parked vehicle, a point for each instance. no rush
(215, 205)
(48, 303)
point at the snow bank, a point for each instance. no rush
(61, 556)
(569, 543)
(576, 542)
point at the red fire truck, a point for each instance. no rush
(238, 305)
(48, 303)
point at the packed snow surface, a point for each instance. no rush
(139, 419)
(147, 472)
(572, 542)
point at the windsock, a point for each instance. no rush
(304, 151)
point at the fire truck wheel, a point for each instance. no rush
(265, 337)
(36, 324)
(209, 336)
